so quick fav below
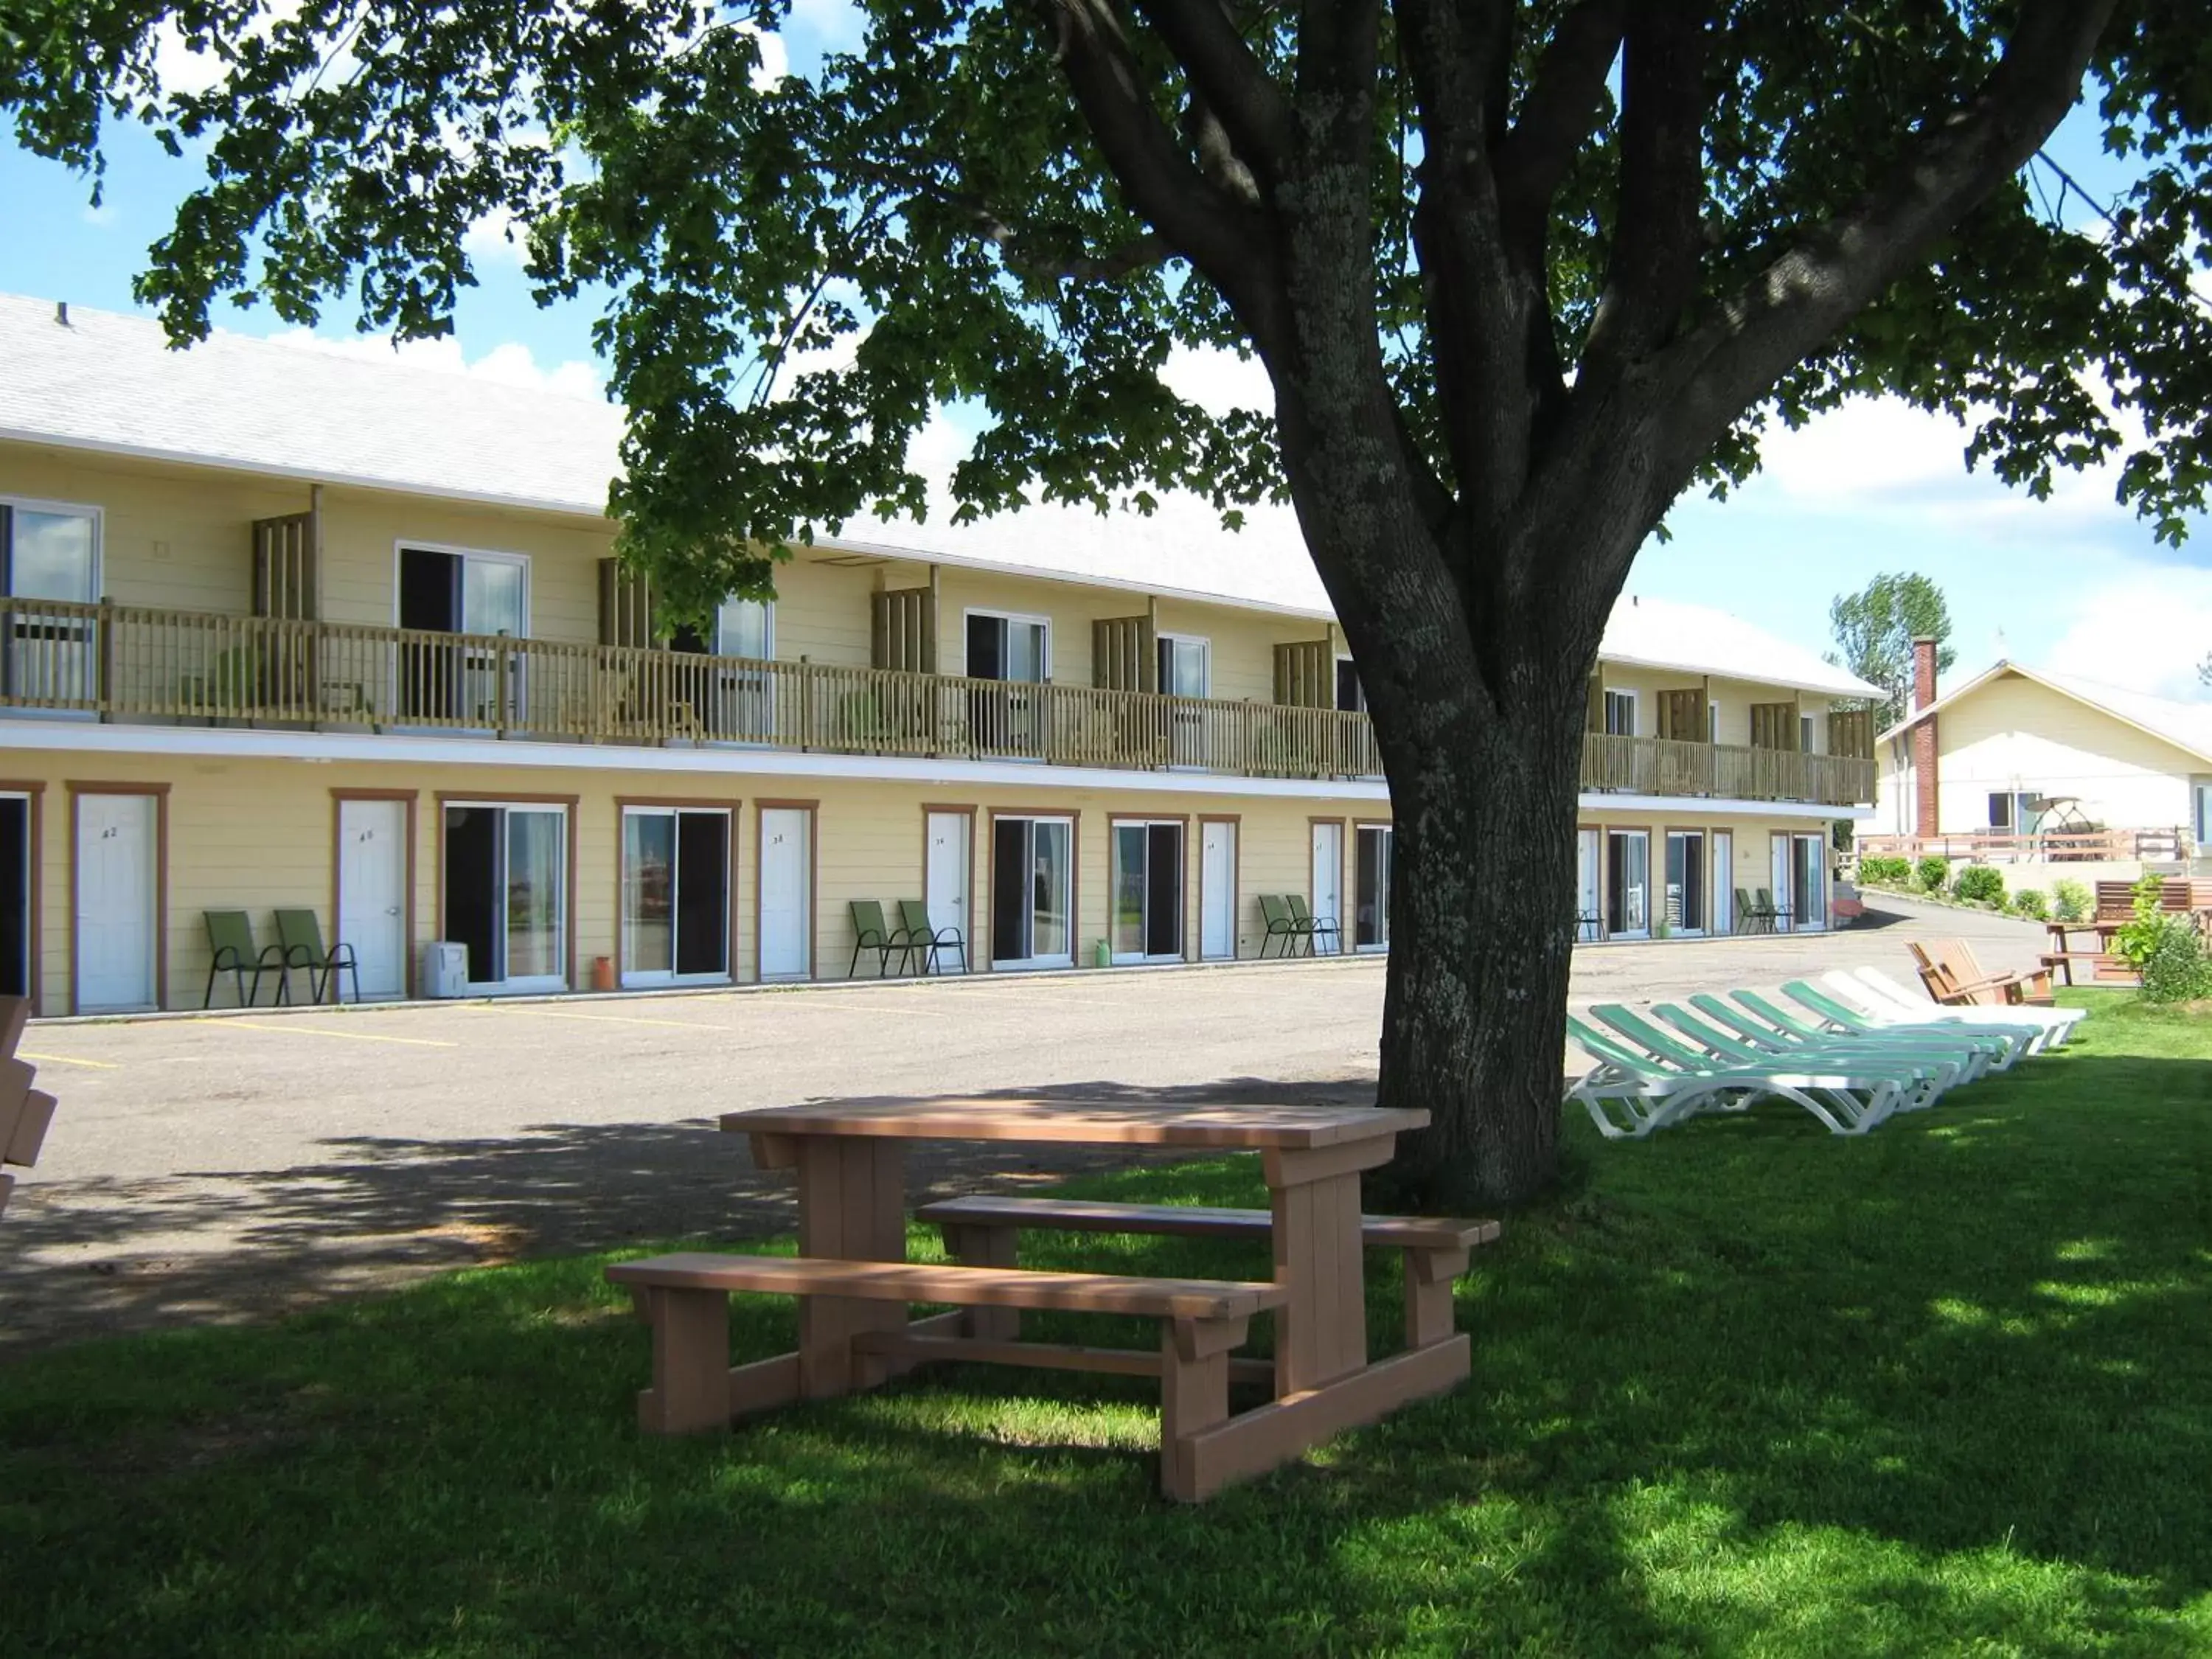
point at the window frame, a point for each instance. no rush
(1044, 667)
(1168, 639)
(10, 505)
(1625, 698)
(492, 555)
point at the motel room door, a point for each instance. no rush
(372, 892)
(116, 886)
(787, 892)
(1217, 890)
(1328, 879)
(949, 860)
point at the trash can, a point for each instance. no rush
(1102, 954)
(445, 969)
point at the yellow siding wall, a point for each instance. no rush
(1751, 845)
(2016, 734)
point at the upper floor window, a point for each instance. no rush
(1351, 694)
(1804, 734)
(49, 551)
(1002, 645)
(1712, 722)
(461, 590)
(742, 627)
(1621, 714)
(1186, 666)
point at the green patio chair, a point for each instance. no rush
(872, 932)
(1316, 928)
(1778, 915)
(1282, 925)
(930, 941)
(230, 940)
(302, 937)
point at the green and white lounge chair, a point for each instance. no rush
(1849, 1094)
(1886, 1001)
(1994, 1050)
(1970, 1054)
(1646, 1095)
(1933, 1070)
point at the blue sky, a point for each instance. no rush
(2076, 583)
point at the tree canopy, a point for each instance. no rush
(1874, 629)
(1027, 206)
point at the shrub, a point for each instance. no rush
(2030, 901)
(1977, 884)
(2070, 900)
(1933, 873)
(2164, 950)
(1878, 871)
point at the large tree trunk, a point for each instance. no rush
(1481, 940)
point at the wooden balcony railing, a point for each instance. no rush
(1663, 766)
(2054, 846)
(136, 662)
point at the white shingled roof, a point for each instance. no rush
(107, 382)
(2186, 726)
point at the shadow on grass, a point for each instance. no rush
(1745, 1388)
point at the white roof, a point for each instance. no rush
(2186, 726)
(108, 382)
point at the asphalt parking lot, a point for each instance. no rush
(215, 1169)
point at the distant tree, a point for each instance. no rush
(1874, 629)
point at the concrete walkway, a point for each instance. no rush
(222, 1169)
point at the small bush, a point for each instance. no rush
(1977, 884)
(1934, 873)
(2070, 900)
(2169, 958)
(2029, 902)
(1878, 871)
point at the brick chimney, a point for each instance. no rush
(1923, 738)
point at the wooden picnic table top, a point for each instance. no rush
(1112, 1123)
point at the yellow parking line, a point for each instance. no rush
(68, 1060)
(324, 1030)
(608, 1019)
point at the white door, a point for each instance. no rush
(115, 899)
(787, 893)
(947, 882)
(1724, 883)
(1778, 873)
(1217, 892)
(1328, 882)
(372, 892)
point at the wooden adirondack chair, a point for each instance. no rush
(1956, 979)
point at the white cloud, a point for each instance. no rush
(2143, 629)
(1218, 381)
(511, 363)
(100, 214)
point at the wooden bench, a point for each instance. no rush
(982, 1230)
(25, 1112)
(686, 1298)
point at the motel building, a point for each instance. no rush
(282, 628)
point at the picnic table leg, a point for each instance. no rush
(852, 1203)
(1320, 1332)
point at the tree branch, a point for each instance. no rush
(1652, 274)
(1836, 269)
(1228, 80)
(1225, 238)
(1562, 105)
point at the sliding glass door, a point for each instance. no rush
(1147, 890)
(1032, 892)
(1808, 883)
(1686, 881)
(505, 894)
(1370, 927)
(676, 895)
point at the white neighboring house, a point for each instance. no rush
(2009, 766)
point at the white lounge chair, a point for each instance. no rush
(1887, 1000)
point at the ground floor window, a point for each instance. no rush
(1148, 891)
(1371, 887)
(505, 893)
(1628, 882)
(1686, 881)
(1032, 892)
(676, 895)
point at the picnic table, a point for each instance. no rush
(855, 1283)
(2062, 956)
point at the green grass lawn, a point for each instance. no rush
(1744, 1389)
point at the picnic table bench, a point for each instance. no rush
(25, 1113)
(2103, 962)
(855, 1285)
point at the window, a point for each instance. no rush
(1712, 722)
(1804, 734)
(1351, 695)
(1186, 666)
(1017, 650)
(1370, 928)
(1621, 714)
(49, 551)
(2014, 811)
(733, 706)
(459, 591)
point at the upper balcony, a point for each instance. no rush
(134, 663)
